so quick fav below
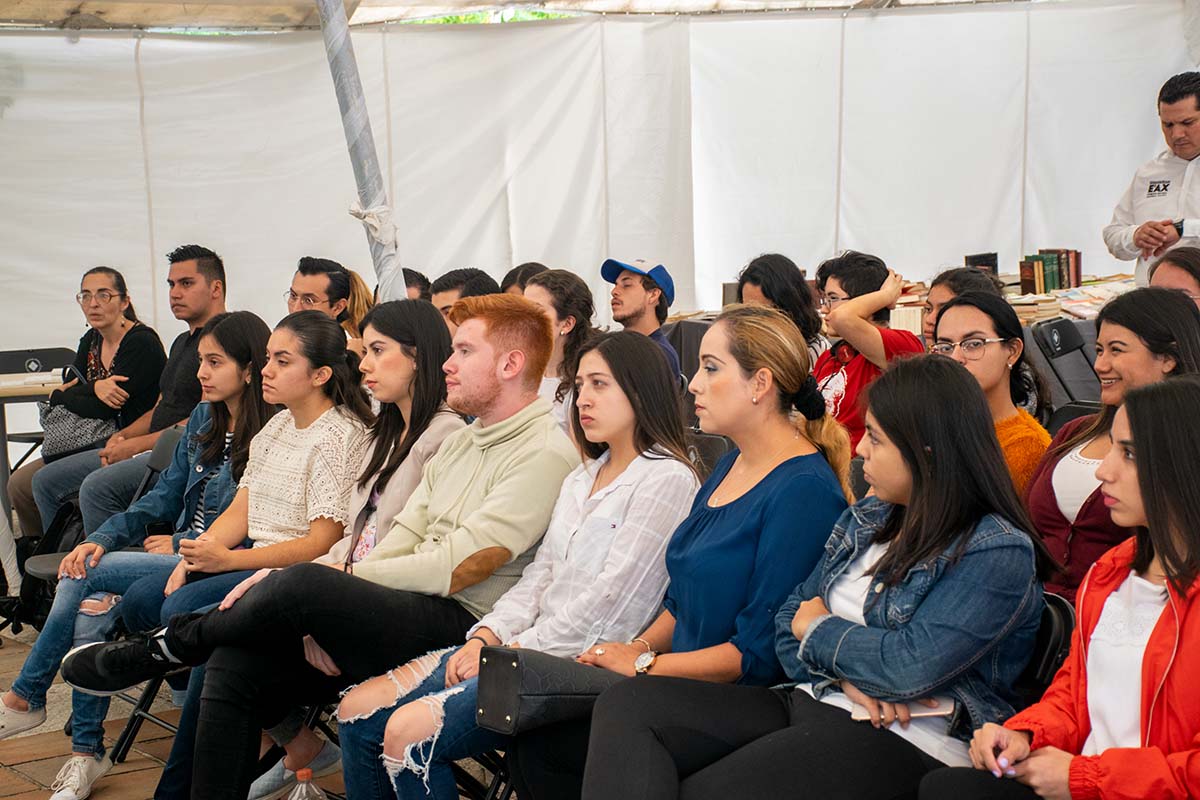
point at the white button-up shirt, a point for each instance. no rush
(1163, 188)
(599, 574)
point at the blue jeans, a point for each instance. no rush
(426, 770)
(66, 628)
(103, 491)
(144, 607)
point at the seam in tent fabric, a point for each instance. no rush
(1025, 124)
(137, 61)
(841, 120)
(604, 128)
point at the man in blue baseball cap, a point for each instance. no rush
(642, 292)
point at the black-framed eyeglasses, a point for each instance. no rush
(103, 296)
(972, 349)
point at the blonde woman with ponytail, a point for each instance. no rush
(757, 527)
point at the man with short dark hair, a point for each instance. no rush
(858, 291)
(642, 293)
(106, 479)
(1161, 207)
(457, 284)
(319, 284)
(416, 285)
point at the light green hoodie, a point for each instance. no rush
(486, 487)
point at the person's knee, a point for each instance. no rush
(622, 701)
(411, 724)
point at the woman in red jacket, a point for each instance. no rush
(1121, 721)
(1142, 337)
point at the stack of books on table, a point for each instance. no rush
(1033, 308)
(1050, 270)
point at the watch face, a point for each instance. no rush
(643, 661)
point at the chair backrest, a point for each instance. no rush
(705, 450)
(160, 457)
(1049, 651)
(1065, 413)
(1063, 346)
(46, 359)
(858, 481)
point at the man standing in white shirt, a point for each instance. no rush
(1161, 208)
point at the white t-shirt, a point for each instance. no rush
(1074, 481)
(847, 599)
(1114, 664)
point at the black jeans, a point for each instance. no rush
(963, 783)
(547, 763)
(661, 738)
(256, 669)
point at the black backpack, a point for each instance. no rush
(64, 534)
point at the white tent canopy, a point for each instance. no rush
(920, 135)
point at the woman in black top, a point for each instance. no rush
(121, 359)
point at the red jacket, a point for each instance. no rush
(1075, 545)
(1167, 765)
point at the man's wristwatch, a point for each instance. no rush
(1179, 227)
(643, 663)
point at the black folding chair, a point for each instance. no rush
(43, 360)
(1050, 650)
(1063, 346)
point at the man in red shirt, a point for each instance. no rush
(858, 292)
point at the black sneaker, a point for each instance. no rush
(107, 668)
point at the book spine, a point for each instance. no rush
(1028, 282)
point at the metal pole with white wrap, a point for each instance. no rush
(372, 206)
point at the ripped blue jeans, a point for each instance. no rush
(66, 627)
(424, 770)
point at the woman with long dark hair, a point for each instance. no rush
(567, 301)
(1121, 719)
(120, 360)
(598, 574)
(926, 599)
(190, 494)
(982, 332)
(756, 528)
(775, 281)
(1142, 337)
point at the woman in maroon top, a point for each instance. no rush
(1142, 337)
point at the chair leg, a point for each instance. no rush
(141, 713)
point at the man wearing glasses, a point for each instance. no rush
(107, 479)
(857, 293)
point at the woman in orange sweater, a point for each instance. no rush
(982, 332)
(1121, 721)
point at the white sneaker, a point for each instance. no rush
(75, 779)
(13, 722)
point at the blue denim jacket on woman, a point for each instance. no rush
(960, 625)
(178, 488)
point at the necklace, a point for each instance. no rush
(727, 486)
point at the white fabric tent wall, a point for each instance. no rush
(921, 135)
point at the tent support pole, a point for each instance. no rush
(372, 194)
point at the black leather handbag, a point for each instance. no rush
(520, 690)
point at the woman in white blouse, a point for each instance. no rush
(599, 575)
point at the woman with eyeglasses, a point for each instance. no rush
(982, 332)
(120, 360)
(1142, 337)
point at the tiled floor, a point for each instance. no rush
(30, 762)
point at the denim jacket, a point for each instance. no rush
(176, 495)
(962, 628)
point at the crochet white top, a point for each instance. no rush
(297, 475)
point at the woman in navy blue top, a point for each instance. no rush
(731, 567)
(757, 527)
